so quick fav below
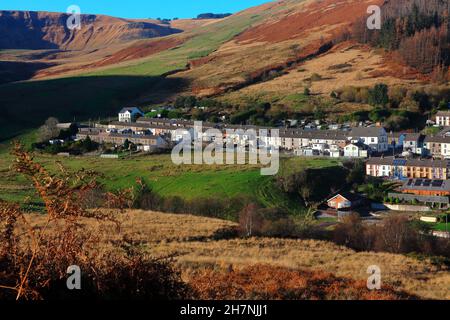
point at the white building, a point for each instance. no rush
(130, 114)
(443, 118)
(375, 138)
(355, 150)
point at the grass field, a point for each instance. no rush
(164, 177)
(196, 244)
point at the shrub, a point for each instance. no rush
(316, 77)
(378, 96)
(34, 260)
(260, 282)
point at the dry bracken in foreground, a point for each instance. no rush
(193, 243)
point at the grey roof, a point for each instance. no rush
(437, 139)
(366, 131)
(134, 136)
(381, 160)
(433, 163)
(314, 134)
(414, 137)
(443, 113)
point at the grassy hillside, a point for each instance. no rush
(165, 178)
(196, 244)
(103, 92)
(26, 105)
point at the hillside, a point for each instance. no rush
(45, 30)
(263, 54)
(199, 244)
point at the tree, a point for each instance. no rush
(250, 221)
(378, 96)
(126, 144)
(49, 130)
(357, 172)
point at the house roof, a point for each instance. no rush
(350, 196)
(426, 184)
(381, 160)
(437, 139)
(413, 137)
(443, 113)
(432, 163)
(366, 131)
(131, 110)
(134, 136)
(358, 144)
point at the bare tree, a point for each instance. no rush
(249, 220)
(49, 130)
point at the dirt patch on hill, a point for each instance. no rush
(314, 15)
(141, 50)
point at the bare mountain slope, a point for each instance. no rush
(44, 30)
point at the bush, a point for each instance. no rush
(378, 96)
(34, 260)
(260, 282)
(316, 77)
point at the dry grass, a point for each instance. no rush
(361, 63)
(191, 240)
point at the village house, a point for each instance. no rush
(443, 118)
(345, 200)
(398, 168)
(396, 139)
(374, 137)
(438, 146)
(380, 167)
(144, 142)
(130, 114)
(356, 150)
(413, 143)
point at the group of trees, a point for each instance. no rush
(213, 15)
(272, 222)
(396, 106)
(49, 129)
(313, 185)
(72, 147)
(417, 29)
(397, 234)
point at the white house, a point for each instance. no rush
(375, 138)
(355, 150)
(130, 114)
(443, 118)
(380, 167)
(445, 148)
(413, 142)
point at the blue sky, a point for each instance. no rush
(135, 8)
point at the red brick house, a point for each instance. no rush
(345, 200)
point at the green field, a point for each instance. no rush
(441, 227)
(165, 178)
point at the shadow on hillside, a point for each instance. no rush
(26, 105)
(11, 71)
